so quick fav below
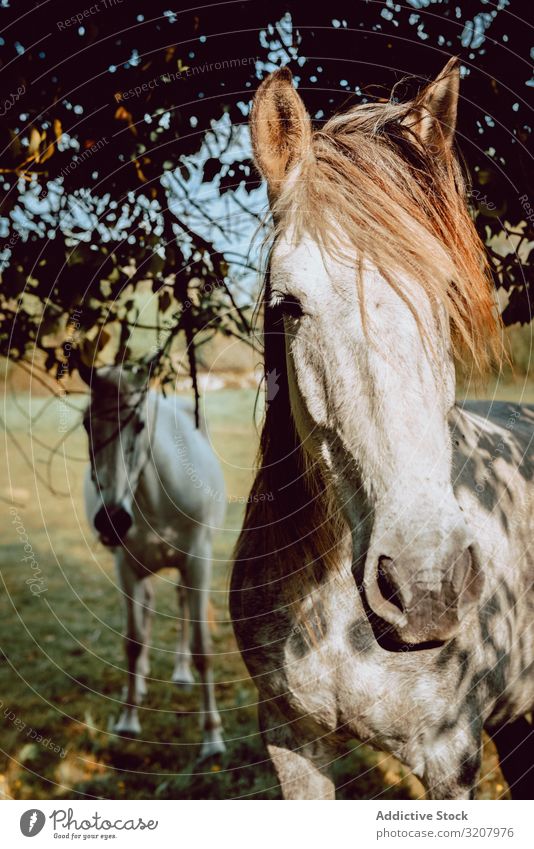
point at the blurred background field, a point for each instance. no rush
(61, 660)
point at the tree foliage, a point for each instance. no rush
(106, 104)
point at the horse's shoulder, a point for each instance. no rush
(179, 410)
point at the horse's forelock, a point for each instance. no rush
(373, 184)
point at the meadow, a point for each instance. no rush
(61, 653)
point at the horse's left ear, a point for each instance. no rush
(280, 128)
(433, 118)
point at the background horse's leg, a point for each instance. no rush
(134, 591)
(182, 675)
(143, 662)
(198, 574)
(515, 745)
(302, 767)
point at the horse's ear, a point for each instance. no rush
(80, 361)
(85, 371)
(85, 358)
(280, 128)
(433, 118)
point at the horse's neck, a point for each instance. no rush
(154, 467)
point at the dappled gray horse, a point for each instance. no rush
(154, 493)
(385, 590)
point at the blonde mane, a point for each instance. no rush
(370, 181)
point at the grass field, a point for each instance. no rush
(61, 655)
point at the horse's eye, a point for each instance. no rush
(291, 307)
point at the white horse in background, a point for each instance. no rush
(154, 493)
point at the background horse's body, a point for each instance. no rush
(170, 504)
(323, 678)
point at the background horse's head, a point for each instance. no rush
(377, 279)
(118, 444)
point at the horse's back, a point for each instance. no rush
(493, 462)
(185, 409)
(517, 419)
(185, 460)
(493, 444)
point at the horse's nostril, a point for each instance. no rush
(100, 519)
(113, 523)
(122, 523)
(468, 579)
(387, 589)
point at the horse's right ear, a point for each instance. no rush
(86, 372)
(86, 355)
(280, 128)
(433, 118)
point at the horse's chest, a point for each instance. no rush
(155, 543)
(342, 688)
(325, 665)
(354, 688)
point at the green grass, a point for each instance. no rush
(61, 656)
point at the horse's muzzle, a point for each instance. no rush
(112, 522)
(419, 606)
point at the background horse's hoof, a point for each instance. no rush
(183, 680)
(183, 686)
(128, 726)
(214, 746)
